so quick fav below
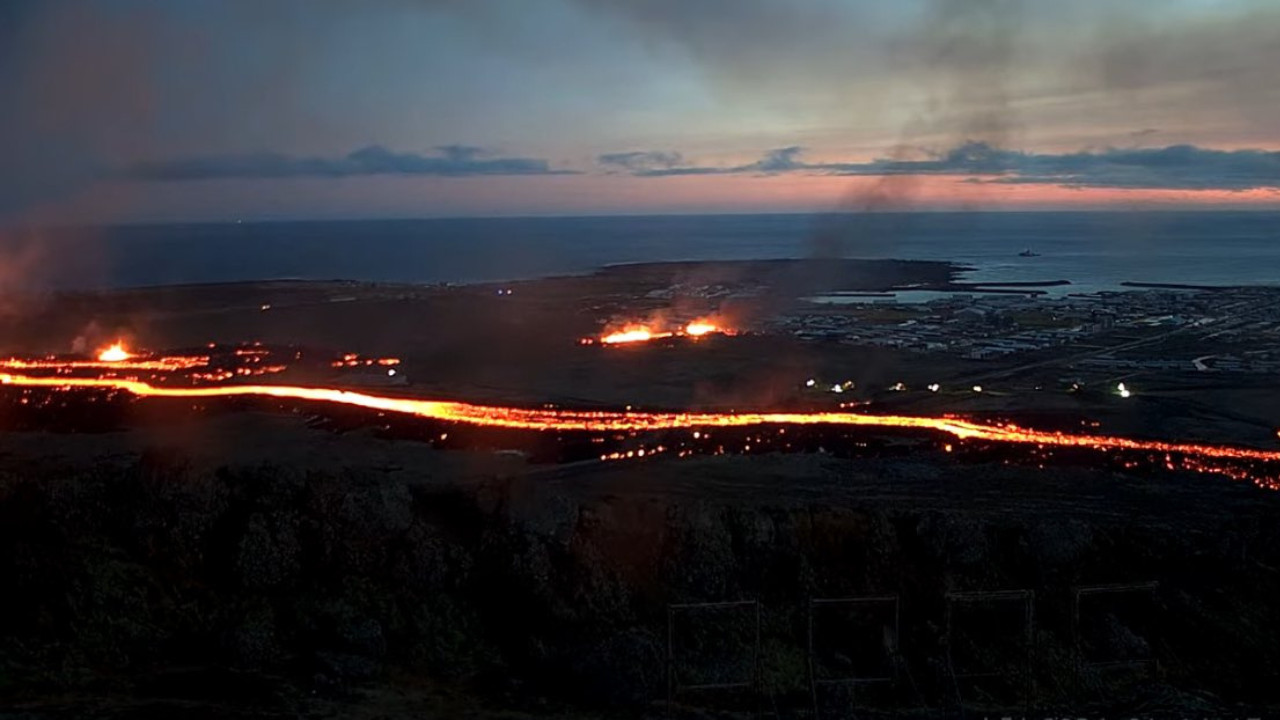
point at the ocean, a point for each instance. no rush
(1092, 250)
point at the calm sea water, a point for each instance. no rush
(1092, 250)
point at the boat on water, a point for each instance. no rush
(1028, 253)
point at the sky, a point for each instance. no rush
(195, 110)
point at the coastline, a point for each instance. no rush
(1095, 251)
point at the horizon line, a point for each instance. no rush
(1159, 210)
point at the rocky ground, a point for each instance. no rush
(312, 574)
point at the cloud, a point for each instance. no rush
(448, 161)
(1180, 167)
(781, 160)
(1184, 167)
(660, 163)
(640, 160)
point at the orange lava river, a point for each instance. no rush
(1219, 459)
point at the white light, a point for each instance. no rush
(391, 372)
(934, 387)
(1124, 391)
(977, 388)
(810, 382)
(837, 388)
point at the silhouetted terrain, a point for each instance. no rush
(161, 581)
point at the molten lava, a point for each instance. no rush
(1198, 457)
(636, 333)
(167, 363)
(631, 335)
(698, 328)
(115, 353)
(1242, 463)
(354, 360)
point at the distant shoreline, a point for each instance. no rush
(1094, 251)
(1181, 286)
(884, 290)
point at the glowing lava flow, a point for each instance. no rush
(164, 363)
(698, 329)
(114, 357)
(644, 333)
(632, 334)
(1200, 457)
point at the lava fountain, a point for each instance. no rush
(114, 353)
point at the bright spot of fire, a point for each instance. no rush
(636, 333)
(697, 328)
(354, 360)
(113, 354)
(630, 335)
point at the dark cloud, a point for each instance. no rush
(640, 160)
(450, 161)
(1184, 167)
(776, 161)
(659, 163)
(781, 160)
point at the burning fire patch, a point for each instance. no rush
(638, 333)
(115, 353)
